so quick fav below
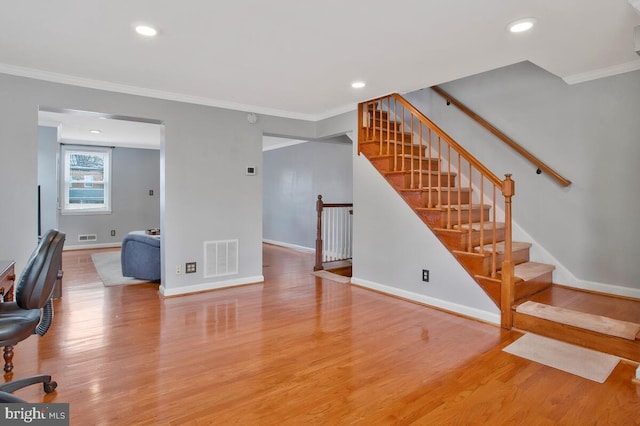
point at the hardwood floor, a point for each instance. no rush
(294, 350)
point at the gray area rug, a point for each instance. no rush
(110, 270)
(587, 363)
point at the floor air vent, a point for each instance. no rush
(220, 258)
(87, 237)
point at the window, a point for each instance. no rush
(85, 179)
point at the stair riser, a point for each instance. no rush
(384, 123)
(624, 348)
(376, 113)
(372, 149)
(478, 264)
(403, 181)
(387, 164)
(523, 289)
(420, 198)
(376, 134)
(536, 285)
(446, 220)
(435, 198)
(456, 240)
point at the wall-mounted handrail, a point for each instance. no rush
(506, 139)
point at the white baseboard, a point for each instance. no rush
(615, 290)
(467, 311)
(210, 286)
(291, 246)
(92, 246)
(563, 276)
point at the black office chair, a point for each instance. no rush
(32, 311)
(8, 397)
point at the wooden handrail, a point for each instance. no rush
(542, 166)
(418, 157)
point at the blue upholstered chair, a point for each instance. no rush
(140, 256)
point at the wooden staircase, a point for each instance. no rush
(465, 205)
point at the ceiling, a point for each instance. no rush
(297, 58)
(79, 127)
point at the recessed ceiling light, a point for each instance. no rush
(96, 131)
(521, 25)
(146, 30)
(358, 84)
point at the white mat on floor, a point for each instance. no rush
(331, 276)
(110, 269)
(587, 363)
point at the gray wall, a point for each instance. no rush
(134, 173)
(590, 133)
(47, 176)
(204, 193)
(293, 178)
(391, 247)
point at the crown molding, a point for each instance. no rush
(635, 4)
(160, 94)
(603, 72)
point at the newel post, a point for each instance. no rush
(361, 124)
(507, 289)
(319, 207)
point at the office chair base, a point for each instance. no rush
(48, 384)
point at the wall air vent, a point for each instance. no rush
(87, 237)
(220, 258)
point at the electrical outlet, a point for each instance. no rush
(425, 275)
(151, 192)
(189, 267)
(113, 232)
(178, 270)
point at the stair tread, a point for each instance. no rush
(598, 323)
(384, 129)
(426, 172)
(445, 207)
(391, 141)
(405, 156)
(515, 246)
(529, 270)
(446, 189)
(436, 189)
(476, 226)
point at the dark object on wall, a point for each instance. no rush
(39, 214)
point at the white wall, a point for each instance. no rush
(588, 132)
(293, 177)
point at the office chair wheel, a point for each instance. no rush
(49, 387)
